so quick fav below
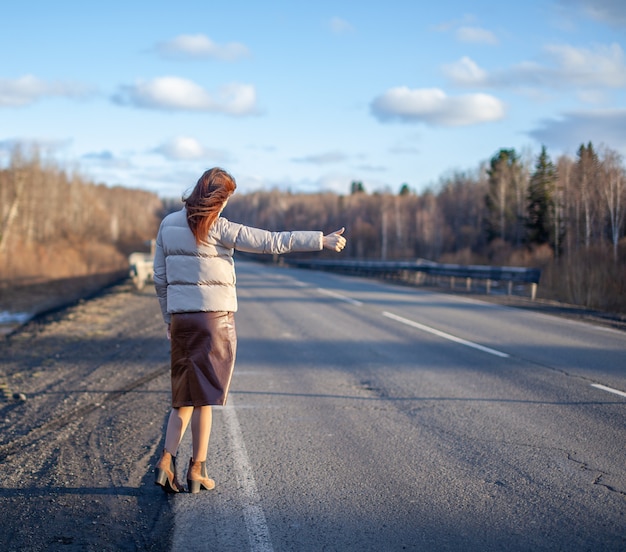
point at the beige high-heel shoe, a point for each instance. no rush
(197, 478)
(165, 474)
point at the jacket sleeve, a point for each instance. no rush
(160, 277)
(254, 240)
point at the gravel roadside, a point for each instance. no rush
(78, 450)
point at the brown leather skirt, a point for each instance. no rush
(204, 345)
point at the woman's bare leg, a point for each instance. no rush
(201, 421)
(176, 426)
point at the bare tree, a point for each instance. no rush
(565, 201)
(66, 225)
(614, 192)
(9, 217)
(505, 197)
(587, 176)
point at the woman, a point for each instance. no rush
(194, 277)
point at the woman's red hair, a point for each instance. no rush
(206, 201)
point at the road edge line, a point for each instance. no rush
(256, 524)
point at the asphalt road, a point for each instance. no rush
(362, 416)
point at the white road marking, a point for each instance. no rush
(258, 532)
(444, 335)
(609, 389)
(189, 518)
(340, 297)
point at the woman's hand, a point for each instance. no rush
(335, 241)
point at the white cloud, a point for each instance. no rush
(103, 156)
(476, 35)
(603, 66)
(29, 89)
(340, 26)
(592, 96)
(466, 31)
(175, 93)
(433, 107)
(322, 158)
(372, 168)
(185, 148)
(612, 12)
(106, 158)
(181, 148)
(465, 72)
(606, 126)
(564, 66)
(200, 46)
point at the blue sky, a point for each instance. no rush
(307, 96)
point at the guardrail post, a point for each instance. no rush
(488, 286)
(533, 291)
(468, 284)
(510, 289)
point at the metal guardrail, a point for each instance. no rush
(140, 270)
(416, 271)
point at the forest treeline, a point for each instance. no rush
(57, 225)
(566, 217)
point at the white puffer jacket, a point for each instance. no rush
(192, 278)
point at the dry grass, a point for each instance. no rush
(38, 278)
(41, 262)
(589, 278)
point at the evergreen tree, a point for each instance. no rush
(543, 224)
(356, 187)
